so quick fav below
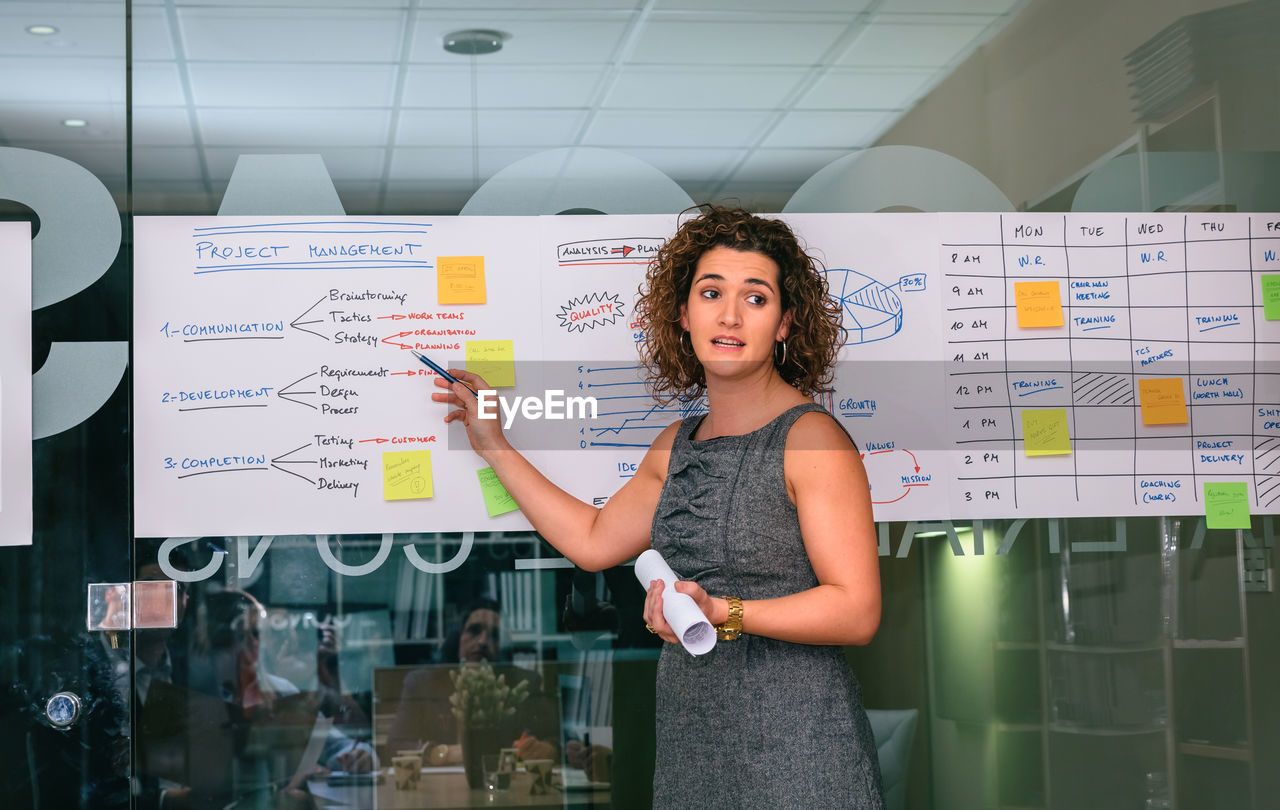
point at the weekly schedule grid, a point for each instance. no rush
(1111, 363)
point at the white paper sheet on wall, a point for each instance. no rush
(993, 364)
(15, 384)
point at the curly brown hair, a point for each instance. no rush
(815, 335)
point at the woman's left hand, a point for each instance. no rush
(716, 610)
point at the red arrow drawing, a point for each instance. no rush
(913, 459)
(379, 441)
(625, 250)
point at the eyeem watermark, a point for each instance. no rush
(552, 405)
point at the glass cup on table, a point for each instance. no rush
(495, 778)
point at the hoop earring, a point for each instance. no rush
(783, 361)
(684, 343)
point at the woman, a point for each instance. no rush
(764, 499)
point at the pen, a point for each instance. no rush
(442, 372)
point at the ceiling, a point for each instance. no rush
(733, 99)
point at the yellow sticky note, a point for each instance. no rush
(406, 474)
(495, 360)
(1039, 303)
(460, 280)
(496, 498)
(1226, 504)
(1044, 432)
(1163, 401)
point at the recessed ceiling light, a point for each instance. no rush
(75, 122)
(42, 30)
(475, 41)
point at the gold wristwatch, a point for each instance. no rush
(731, 628)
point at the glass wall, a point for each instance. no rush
(1103, 662)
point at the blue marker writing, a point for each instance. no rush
(437, 369)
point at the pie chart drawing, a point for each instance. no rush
(871, 310)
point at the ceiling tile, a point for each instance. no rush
(307, 4)
(443, 164)
(902, 45)
(166, 163)
(157, 84)
(161, 197)
(844, 89)
(423, 164)
(342, 162)
(434, 128)
(236, 34)
(544, 87)
(301, 128)
(785, 165)
(947, 6)
(576, 38)
(689, 165)
(831, 130)
(791, 7)
(545, 128)
(152, 37)
(681, 41)
(71, 80)
(84, 29)
(747, 88)
(278, 85)
(106, 160)
(439, 85)
(724, 130)
(43, 122)
(162, 126)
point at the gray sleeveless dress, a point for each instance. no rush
(755, 723)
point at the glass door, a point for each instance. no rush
(63, 168)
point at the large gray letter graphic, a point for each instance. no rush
(886, 176)
(78, 240)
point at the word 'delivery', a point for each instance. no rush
(553, 404)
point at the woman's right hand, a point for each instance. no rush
(485, 435)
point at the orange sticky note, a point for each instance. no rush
(1163, 401)
(1039, 303)
(460, 280)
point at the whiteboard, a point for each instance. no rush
(273, 373)
(15, 384)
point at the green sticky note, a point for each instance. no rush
(496, 498)
(1226, 504)
(1044, 432)
(1271, 296)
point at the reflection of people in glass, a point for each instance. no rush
(236, 674)
(423, 718)
(763, 498)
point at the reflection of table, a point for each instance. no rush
(447, 788)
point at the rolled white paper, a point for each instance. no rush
(681, 612)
